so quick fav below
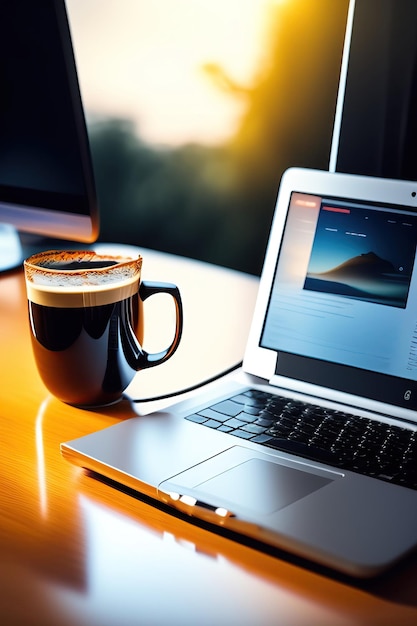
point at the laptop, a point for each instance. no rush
(311, 446)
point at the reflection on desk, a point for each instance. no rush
(76, 551)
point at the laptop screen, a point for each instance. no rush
(342, 311)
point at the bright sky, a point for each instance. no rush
(143, 60)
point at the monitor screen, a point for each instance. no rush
(46, 177)
(375, 129)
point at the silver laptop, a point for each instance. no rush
(311, 447)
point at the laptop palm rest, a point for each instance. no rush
(242, 481)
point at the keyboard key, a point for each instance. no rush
(199, 419)
(210, 414)
(212, 424)
(234, 423)
(248, 400)
(259, 395)
(245, 417)
(228, 407)
(261, 438)
(264, 422)
(243, 434)
(253, 410)
(254, 429)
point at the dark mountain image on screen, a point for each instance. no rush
(364, 277)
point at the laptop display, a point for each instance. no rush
(343, 292)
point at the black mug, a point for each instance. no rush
(86, 321)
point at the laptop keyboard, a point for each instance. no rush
(343, 440)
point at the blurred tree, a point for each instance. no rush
(216, 204)
(291, 112)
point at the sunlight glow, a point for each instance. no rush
(146, 61)
(40, 457)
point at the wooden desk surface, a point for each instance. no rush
(76, 551)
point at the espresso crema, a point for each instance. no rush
(79, 279)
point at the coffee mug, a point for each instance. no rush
(86, 322)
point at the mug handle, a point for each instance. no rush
(136, 356)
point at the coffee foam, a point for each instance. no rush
(80, 287)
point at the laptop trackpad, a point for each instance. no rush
(262, 486)
(257, 484)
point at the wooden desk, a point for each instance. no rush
(76, 551)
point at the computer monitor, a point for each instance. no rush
(46, 175)
(375, 130)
